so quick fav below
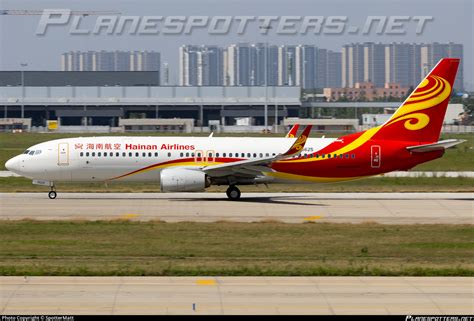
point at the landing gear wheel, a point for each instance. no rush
(233, 193)
(52, 195)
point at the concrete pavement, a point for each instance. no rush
(386, 208)
(236, 295)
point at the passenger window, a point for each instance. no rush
(249, 155)
(123, 154)
(143, 154)
(267, 154)
(117, 154)
(242, 155)
(99, 154)
(209, 155)
(105, 154)
(341, 156)
(149, 154)
(156, 154)
(317, 155)
(130, 154)
(81, 154)
(224, 154)
(353, 156)
(87, 154)
(323, 156)
(137, 154)
(261, 155)
(254, 155)
(347, 155)
(169, 154)
(187, 154)
(329, 155)
(273, 154)
(181, 154)
(217, 154)
(93, 154)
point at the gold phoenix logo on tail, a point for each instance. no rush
(431, 92)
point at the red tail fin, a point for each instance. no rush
(420, 117)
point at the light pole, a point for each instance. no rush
(23, 90)
(265, 111)
(265, 83)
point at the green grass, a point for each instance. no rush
(156, 248)
(460, 158)
(374, 185)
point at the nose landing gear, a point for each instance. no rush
(233, 193)
(52, 194)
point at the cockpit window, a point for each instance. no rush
(26, 151)
(32, 152)
(38, 152)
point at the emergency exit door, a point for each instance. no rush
(375, 156)
(63, 154)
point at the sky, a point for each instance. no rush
(19, 43)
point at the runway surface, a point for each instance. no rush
(387, 208)
(236, 295)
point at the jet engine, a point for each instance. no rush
(183, 180)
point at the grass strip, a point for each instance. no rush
(122, 247)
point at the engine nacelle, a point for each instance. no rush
(183, 180)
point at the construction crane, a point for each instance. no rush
(40, 12)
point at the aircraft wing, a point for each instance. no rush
(443, 144)
(256, 167)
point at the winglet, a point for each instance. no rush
(293, 131)
(298, 145)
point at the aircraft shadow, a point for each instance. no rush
(265, 200)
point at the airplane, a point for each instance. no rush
(293, 130)
(191, 164)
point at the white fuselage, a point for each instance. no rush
(117, 157)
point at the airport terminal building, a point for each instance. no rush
(104, 98)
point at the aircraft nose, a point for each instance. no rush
(13, 165)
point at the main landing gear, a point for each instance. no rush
(233, 193)
(52, 194)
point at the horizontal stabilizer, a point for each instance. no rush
(443, 144)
